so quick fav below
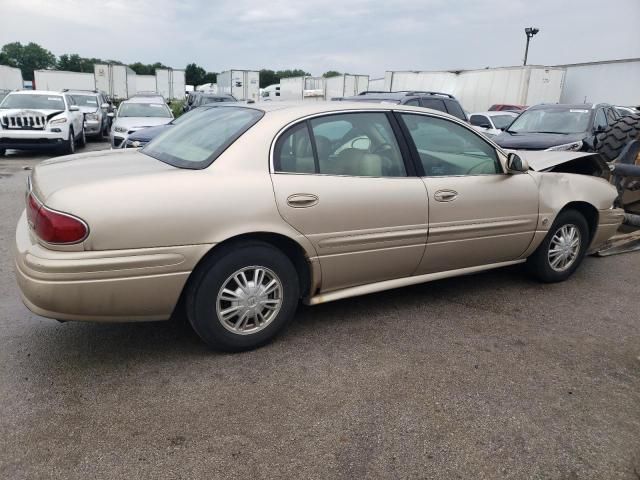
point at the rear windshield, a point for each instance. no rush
(199, 139)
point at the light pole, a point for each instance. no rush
(529, 32)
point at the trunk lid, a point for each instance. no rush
(86, 169)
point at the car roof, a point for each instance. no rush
(495, 113)
(296, 110)
(398, 95)
(82, 92)
(564, 106)
(36, 92)
(148, 99)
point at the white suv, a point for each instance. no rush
(34, 120)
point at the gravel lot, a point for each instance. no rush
(487, 376)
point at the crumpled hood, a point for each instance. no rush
(140, 122)
(147, 134)
(541, 160)
(535, 141)
(88, 108)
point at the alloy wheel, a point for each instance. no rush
(249, 300)
(564, 247)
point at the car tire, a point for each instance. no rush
(232, 307)
(611, 142)
(82, 140)
(556, 258)
(70, 147)
(2, 152)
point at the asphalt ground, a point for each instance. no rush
(482, 377)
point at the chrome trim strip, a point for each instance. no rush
(401, 282)
(346, 240)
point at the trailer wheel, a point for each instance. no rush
(611, 142)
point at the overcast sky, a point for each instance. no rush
(356, 36)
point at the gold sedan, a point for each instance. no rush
(240, 211)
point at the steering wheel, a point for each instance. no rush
(383, 147)
(478, 168)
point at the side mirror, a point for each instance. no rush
(599, 129)
(74, 108)
(111, 114)
(104, 106)
(485, 125)
(515, 164)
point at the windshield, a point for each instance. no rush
(502, 121)
(143, 110)
(39, 102)
(199, 139)
(553, 120)
(85, 100)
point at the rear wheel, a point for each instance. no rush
(562, 250)
(243, 296)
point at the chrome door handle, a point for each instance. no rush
(445, 195)
(302, 200)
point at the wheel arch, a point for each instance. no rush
(308, 271)
(588, 211)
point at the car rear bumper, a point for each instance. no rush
(102, 286)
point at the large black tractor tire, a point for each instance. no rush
(611, 142)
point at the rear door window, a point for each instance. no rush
(455, 109)
(352, 144)
(434, 104)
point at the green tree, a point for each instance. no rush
(268, 77)
(27, 58)
(210, 77)
(194, 74)
(331, 73)
(292, 73)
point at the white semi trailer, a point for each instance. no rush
(145, 83)
(302, 88)
(614, 81)
(117, 81)
(170, 83)
(477, 90)
(242, 84)
(346, 85)
(10, 78)
(57, 80)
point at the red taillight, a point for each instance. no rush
(54, 227)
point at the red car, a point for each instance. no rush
(514, 108)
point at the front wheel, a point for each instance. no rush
(243, 296)
(70, 147)
(562, 250)
(82, 141)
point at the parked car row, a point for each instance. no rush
(33, 120)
